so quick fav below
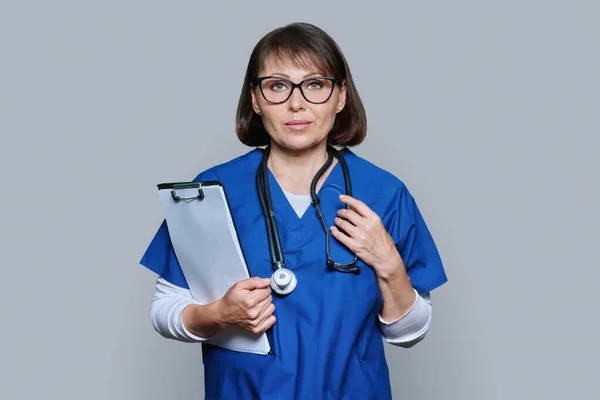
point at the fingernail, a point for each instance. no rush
(266, 280)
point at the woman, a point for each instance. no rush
(298, 99)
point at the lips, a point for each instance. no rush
(298, 124)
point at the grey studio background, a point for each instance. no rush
(488, 111)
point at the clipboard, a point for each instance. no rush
(208, 249)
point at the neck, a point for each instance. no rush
(295, 169)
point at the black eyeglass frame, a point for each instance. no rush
(258, 82)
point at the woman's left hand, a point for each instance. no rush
(361, 230)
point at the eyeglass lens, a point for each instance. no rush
(315, 90)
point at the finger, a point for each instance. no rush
(257, 296)
(254, 283)
(264, 304)
(351, 216)
(360, 207)
(266, 313)
(266, 325)
(254, 313)
(343, 238)
(346, 226)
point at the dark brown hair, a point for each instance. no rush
(305, 45)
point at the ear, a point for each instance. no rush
(342, 98)
(254, 100)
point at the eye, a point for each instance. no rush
(314, 84)
(278, 86)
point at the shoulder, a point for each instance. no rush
(233, 168)
(379, 188)
(372, 174)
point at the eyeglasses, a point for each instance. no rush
(276, 90)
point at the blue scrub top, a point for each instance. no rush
(326, 343)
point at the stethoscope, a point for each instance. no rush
(283, 280)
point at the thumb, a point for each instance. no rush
(255, 283)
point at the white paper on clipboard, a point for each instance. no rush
(207, 247)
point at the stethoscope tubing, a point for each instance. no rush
(264, 195)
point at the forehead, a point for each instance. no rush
(304, 63)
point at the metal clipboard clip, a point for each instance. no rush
(190, 185)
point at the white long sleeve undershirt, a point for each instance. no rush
(169, 300)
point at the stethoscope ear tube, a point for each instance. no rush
(261, 198)
(271, 214)
(350, 267)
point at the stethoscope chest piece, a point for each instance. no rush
(283, 281)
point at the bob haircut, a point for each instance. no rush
(308, 47)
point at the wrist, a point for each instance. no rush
(391, 269)
(216, 310)
(202, 320)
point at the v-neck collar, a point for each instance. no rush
(300, 227)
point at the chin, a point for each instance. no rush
(300, 143)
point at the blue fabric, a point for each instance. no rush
(326, 341)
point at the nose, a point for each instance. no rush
(296, 100)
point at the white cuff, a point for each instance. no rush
(166, 311)
(410, 327)
(180, 326)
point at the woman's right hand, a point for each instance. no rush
(248, 304)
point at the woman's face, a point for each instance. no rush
(296, 124)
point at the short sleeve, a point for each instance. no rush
(161, 259)
(160, 255)
(417, 247)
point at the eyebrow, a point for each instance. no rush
(305, 76)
